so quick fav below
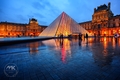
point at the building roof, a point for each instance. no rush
(85, 22)
(12, 23)
(101, 7)
(43, 26)
(117, 15)
(33, 19)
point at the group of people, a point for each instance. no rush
(85, 36)
(116, 35)
(61, 36)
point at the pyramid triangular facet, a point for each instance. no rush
(63, 24)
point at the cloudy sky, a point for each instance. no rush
(45, 11)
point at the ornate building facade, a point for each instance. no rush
(103, 23)
(8, 29)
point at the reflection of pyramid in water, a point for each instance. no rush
(63, 24)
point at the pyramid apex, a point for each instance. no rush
(63, 12)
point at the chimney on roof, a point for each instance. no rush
(94, 9)
(109, 5)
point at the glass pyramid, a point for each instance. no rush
(65, 25)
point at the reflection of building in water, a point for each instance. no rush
(109, 40)
(51, 43)
(33, 47)
(60, 45)
(102, 54)
(65, 49)
(63, 52)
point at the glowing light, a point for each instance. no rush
(65, 25)
(105, 32)
(63, 55)
(66, 34)
(114, 31)
(119, 30)
(105, 39)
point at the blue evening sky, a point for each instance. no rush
(45, 11)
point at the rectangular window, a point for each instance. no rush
(89, 27)
(104, 25)
(114, 25)
(99, 26)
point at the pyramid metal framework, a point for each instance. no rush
(65, 25)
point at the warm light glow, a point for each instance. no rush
(33, 47)
(105, 39)
(63, 55)
(65, 25)
(114, 31)
(119, 31)
(31, 33)
(90, 39)
(105, 32)
(66, 34)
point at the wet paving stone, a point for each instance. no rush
(51, 60)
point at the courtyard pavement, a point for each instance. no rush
(67, 59)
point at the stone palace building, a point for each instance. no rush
(103, 23)
(9, 29)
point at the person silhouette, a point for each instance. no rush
(86, 36)
(80, 36)
(116, 36)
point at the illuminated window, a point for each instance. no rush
(119, 31)
(114, 31)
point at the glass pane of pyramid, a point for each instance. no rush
(65, 25)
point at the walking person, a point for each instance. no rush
(80, 39)
(80, 36)
(94, 35)
(86, 36)
(116, 36)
